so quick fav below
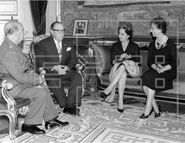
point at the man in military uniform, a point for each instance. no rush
(26, 83)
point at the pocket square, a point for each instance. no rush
(68, 48)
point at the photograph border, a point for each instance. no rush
(84, 29)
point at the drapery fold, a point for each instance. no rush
(38, 10)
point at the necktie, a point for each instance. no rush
(59, 48)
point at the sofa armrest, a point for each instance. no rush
(102, 54)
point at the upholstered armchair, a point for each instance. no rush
(10, 107)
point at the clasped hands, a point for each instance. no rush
(159, 68)
(123, 57)
(61, 69)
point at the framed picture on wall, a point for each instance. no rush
(80, 28)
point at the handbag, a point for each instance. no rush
(132, 68)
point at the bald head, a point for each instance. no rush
(14, 30)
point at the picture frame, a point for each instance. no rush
(80, 28)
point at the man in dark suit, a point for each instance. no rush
(14, 66)
(58, 57)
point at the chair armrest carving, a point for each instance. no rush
(81, 65)
(11, 104)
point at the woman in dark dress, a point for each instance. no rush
(124, 55)
(162, 56)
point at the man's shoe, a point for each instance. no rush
(51, 125)
(33, 129)
(71, 110)
(54, 123)
(61, 123)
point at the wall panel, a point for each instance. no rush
(103, 19)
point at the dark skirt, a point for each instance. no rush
(156, 81)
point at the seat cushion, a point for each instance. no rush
(21, 102)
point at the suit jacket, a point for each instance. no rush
(15, 67)
(47, 55)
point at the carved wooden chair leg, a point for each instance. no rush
(12, 124)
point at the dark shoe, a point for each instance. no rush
(103, 96)
(143, 116)
(71, 110)
(51, 125)
(61, 123)
(33, 129)
(120, 110)
(55, 123)
(157, 115)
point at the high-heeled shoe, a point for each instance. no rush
(103, 95)
(159, 113)
(120, 110)
(143, 116)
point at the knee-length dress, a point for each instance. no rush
(164, 56)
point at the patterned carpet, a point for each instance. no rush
(102, 123)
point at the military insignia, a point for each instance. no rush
(10, 46)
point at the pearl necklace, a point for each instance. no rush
(159, 45)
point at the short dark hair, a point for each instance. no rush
(127, 26)
(53, 24)
(160, 24)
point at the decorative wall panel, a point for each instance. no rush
(103, 20)
(8, 7)
(2, 23)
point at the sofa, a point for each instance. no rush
(101, 48)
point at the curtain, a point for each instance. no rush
(38, 10)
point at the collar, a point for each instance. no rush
(11, 44)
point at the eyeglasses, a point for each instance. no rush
(59, 30)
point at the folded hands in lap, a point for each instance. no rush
(61, 69)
